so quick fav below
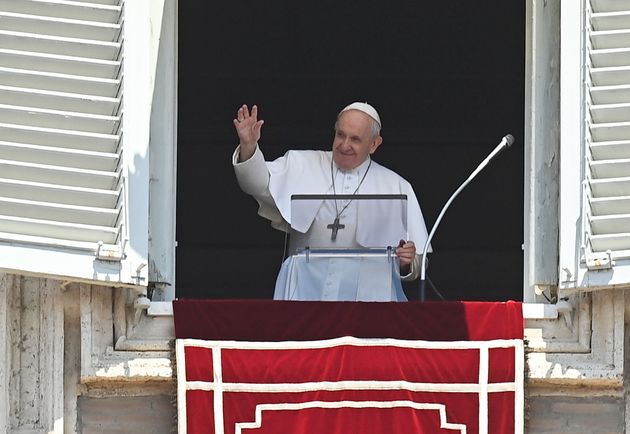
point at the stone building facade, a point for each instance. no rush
(85, 350)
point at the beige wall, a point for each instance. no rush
(154, 414)
(576, 415)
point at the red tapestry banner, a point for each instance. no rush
(350, 383)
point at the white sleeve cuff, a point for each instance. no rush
(414, 270)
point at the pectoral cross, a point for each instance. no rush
(335, 226)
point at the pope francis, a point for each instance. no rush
(347, 169)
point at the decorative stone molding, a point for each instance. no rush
(588, 350)
(117, 347)
(61, 340)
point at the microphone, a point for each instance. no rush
(505, 143)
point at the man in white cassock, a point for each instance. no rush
(349, 170)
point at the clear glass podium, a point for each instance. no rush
(342, 247)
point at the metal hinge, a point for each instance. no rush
(599, 261)
(111, 253)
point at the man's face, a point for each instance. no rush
(353, 139)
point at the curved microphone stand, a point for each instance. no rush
(506, 142)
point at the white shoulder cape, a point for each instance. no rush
(308, 172)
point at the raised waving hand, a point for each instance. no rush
(248, 129)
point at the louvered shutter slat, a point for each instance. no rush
(58, 230)
(64, 101)
(603, 5)
(58, 212)
(615, 242)
(59, 64)
(60, 194)
(60, 140)
(609, 131)
(615, 94)
(610, 112)
(610, 187)
(59, 27)
(610, 224)
(58, 175)
(610, 205)
(610, 57)
(59, 82)
(609, 127)
(59, 119)
(64, 9)
(58, 137)
(59, 156)
(101, 2)
(613, 20)
(22, 41)
(616, 168)
(611, 76)
(611, 38)
(610, 150)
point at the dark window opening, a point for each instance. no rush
(448, 81)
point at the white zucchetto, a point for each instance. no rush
(365, 108)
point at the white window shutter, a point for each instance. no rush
(608, 135)
(602, 252)
(64, 175)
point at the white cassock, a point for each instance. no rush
(309, 172)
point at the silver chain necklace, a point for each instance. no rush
(335, 225)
